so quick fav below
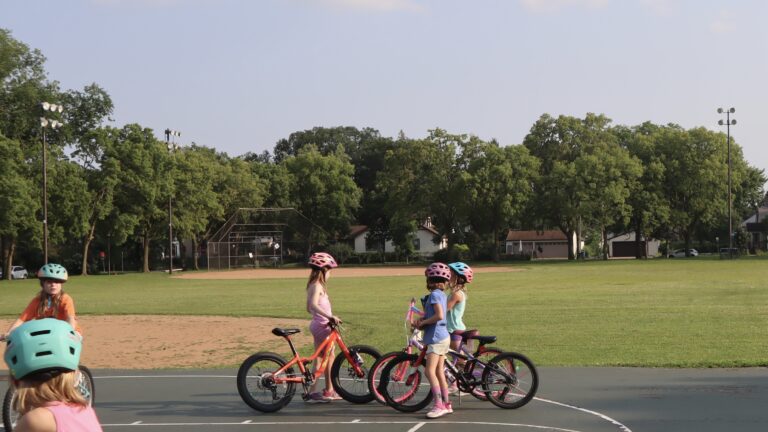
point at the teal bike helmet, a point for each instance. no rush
(463, 270)
(53, 271)
(39, 346)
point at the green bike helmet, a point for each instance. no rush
(39, 346)
(53, 271)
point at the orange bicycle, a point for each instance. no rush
(267, 382)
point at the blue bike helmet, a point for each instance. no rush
(53, 271)
(43, 345)
(463, 270)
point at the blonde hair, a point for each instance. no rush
(31, 394)
(317, 276)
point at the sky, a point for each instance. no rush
(239, 75)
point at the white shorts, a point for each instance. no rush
(439, 348)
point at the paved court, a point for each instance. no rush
(569, 399)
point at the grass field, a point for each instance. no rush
(681, 313)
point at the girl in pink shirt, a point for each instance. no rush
(42, 357)
(319, 305)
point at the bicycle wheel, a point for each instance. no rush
(256, 382)
(85, 385)
(510, 380)
(404, 384)
(374, 376)
(10, 415)
(475, 370)
(346, 382)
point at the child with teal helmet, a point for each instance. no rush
(461, 274)
(51, 301)
(42, 357)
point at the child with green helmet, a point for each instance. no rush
(52, 301)
(42, 357)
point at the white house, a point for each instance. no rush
(758, 237)
(422, 242)
(623, 246)
(538, 244)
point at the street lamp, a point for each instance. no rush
(728, 123)
(171, 148)
(53, 124)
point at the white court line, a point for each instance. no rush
(418, 425)
(621, 426)
(613, 421)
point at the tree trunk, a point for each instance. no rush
(86, 246)
(195, 263)
(604, 236)
(638, 250)
(496, 245)
(145, 244)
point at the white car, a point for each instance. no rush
(680, 253)
(17, 272)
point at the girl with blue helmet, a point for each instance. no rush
(461, 274)
(42, 357)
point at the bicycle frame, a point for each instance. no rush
(323, 351)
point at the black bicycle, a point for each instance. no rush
(84, 385)
(508, 380)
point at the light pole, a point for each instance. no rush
(728, 123)
(171, 148)
(53, 124)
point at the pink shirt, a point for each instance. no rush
(74, 418)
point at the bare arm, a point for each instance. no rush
(456, 298)
(314, 294)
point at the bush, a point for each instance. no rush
(341, 252)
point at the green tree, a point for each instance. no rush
(141, 196)
(324, 191)
(650, 209)
(18, 203)
(499, 183)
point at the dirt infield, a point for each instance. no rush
(263, 273)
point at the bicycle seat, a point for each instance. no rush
(482, 339)
(284, 331)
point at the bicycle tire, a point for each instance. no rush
(476, 369)
(510, 380)
(374, 376)
(406, 394)
(11, 416)
(86, 387)
(348, 385)
(256, 386)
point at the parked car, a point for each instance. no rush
(680, 253)
(17, 272)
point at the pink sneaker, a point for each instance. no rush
(436, 411)
(316, 397)
(331, 395)
(449, 408)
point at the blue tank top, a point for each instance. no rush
(438, 331)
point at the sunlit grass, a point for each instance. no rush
(683, 312)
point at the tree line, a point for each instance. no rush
(580, 175)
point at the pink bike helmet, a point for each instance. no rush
(438, 270)
(322, 260)
(463, 270)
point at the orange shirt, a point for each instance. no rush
(66, 309)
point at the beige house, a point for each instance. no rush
(538, 244)
(623, 246)
(758, 238)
